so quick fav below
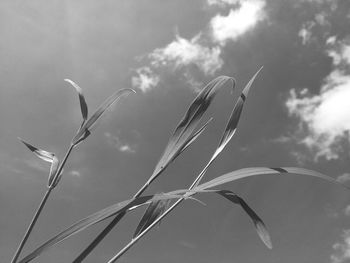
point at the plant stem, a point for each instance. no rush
(138, 237)
(40, 208)
(30, 227)
(109, 227)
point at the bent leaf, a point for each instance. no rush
(180, 138)
(83, 105)
(121, 207)
(44, 155)
(258, 223)
(247, 172)
(85, 130)
(53, 170)
(231, 127)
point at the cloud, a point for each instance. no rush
(75, 173)
(237, 22)
(305, 32)
(344, 178)
(145, 80)
(201, 54)
(342, 250)
(182, 52)
(122, 146)
(223, 2)
(325, 117)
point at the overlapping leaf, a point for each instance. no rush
(85, 130)
(180, 138)
(48, 157)
(153, 211)
(99, 216)
(83, 105)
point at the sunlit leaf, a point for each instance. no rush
(85, 130)
(83, 105)
(44, 155)
(53, 170)
(247, 172)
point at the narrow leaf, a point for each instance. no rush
(99, 216)
(83, 105)
(258, 223)
(180, 138)
(85, 130)
(153, 211)
(53, 170)
(247, 172)
(231, 127)
(44, 155)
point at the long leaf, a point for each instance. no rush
(188, 123)
(44, 155)
(230, 129)
(99, 216)
(247, 172)
(85, 130)
(258, 223)
(83, 105)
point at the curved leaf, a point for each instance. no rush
(99, 216)
(44, 155)
(247, 172)
(53, 170)
(180, 138)
(258, 223)
(85, 130)
(83, 105)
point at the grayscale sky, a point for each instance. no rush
(297, 114)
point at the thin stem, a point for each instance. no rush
(30, 227)
(138, 237)
(109, 227)
(40, 208)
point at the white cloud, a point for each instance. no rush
(182, 52)
(237, 22)
(75, 173)
(344, 178)
(347, 210)
(342, 250)
(325, 117)
(305, 33)
(145, 79)
(122, 146)
(223, 2)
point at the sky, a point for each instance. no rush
(297, 114)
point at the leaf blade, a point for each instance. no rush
(83, 105)
(85, 130)
(42, 154)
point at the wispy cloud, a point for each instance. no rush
(345, 177)
(75, 173)
(203, 51)
(237, 22)
(324, 117)
(145, 79)
(122, 146)
(342, 249)
(182, 52)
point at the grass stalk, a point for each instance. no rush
(108, 228)
(40, 208)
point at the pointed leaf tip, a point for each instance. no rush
(85, 130)
(42, 154)
(83, 105)
(263, 234)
